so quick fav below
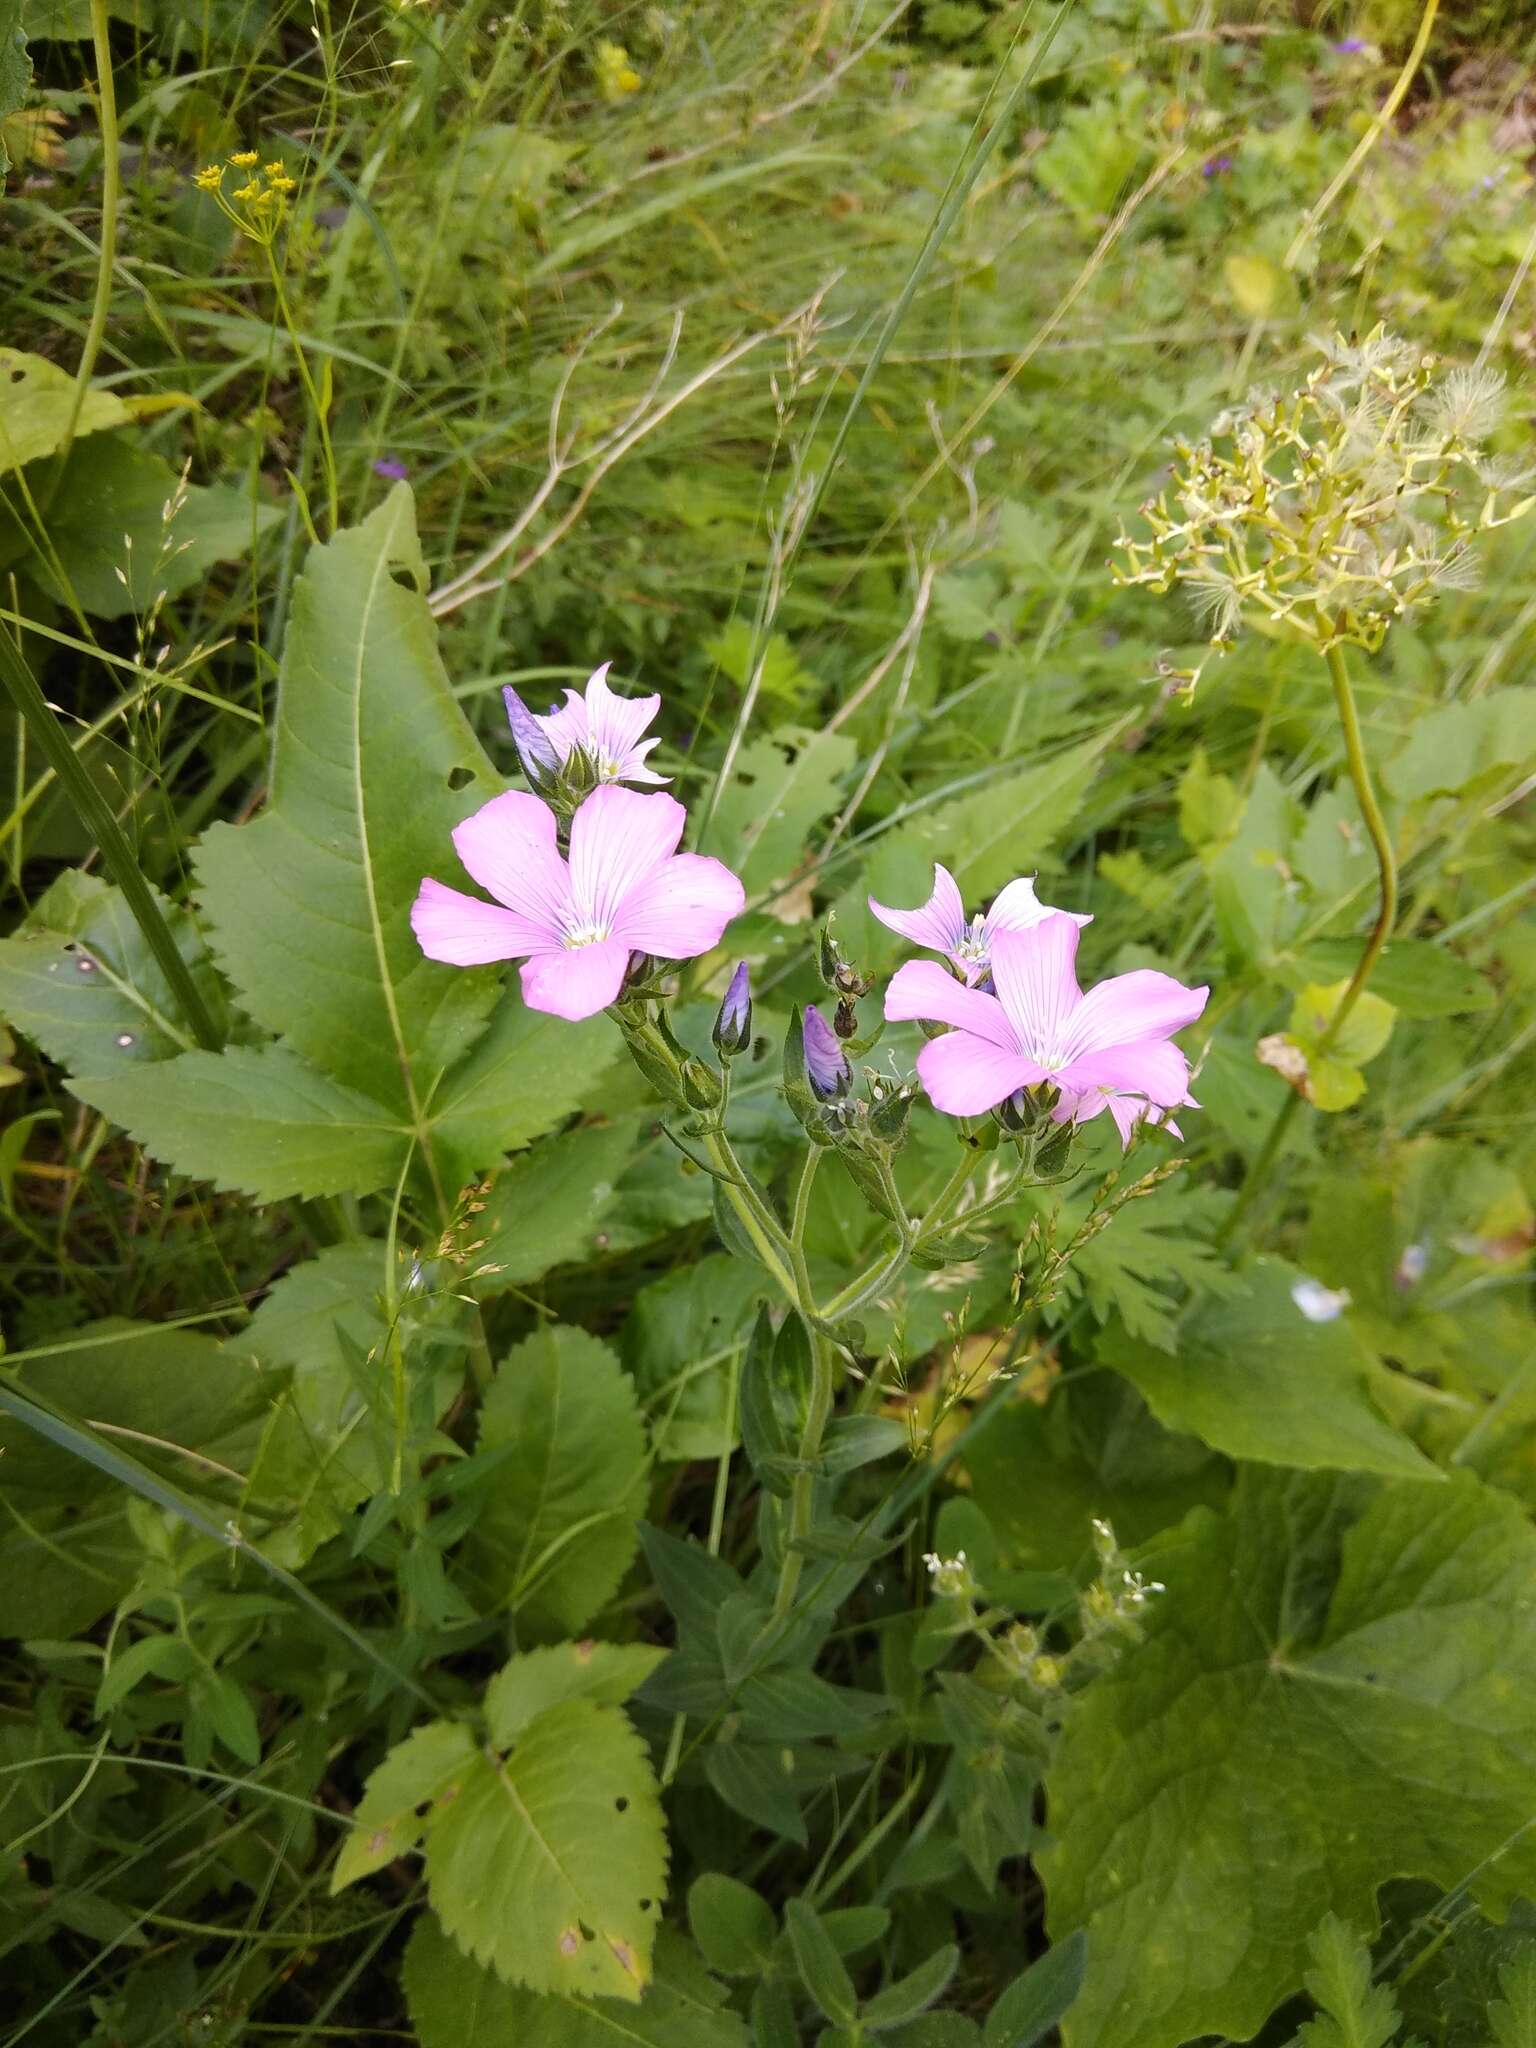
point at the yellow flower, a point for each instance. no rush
(274, 171)
(244, 158)
(616, 76)
(211, 179)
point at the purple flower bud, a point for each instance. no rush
(541, 763)
(1351, 46)
(1216, 167)
(391, 468)
(826, 1065)
(733, 1026)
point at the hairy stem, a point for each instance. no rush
(111, 187)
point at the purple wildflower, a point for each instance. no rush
(1108, 1049)
(601, 725)
(1351, 46)
(733, 1026)
(535, 749)
(391, 468)
(826, 1064)
(574, 924)
(941, 924)
(1216, 166)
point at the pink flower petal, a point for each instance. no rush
(680, 909)
(617, 838)
(1131, 1007)
(566, 727)
(1033, 972)
(464, 931)
(615, 723)
(924, 989)
(508, 846)
(1154, 1069)
(576, 982)
(939, 923)
(965, 1075)
(1017, 908)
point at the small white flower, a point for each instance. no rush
(1319, 1304)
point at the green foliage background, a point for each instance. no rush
(389, 1433)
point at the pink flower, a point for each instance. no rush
(602, 725)
(574, 924)
(941, 925)
(1108, 1049)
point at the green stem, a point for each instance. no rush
(768, 1239)
(802, 1499)
(327, 453)
(1381, 931)
(111, 185)
(96, 815)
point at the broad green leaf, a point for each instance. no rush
(912, 1994)
(15, 69)
(111, 547)
(525, 1076)
(373, 764)
(821, 1968)
(550, 1863)
(1456, 745)
(1362, 1035)
(1251, 1376)
(1040, 1997)
(546, 1203)
(263, 1123)
(1340, 1681)
(78, 979)
(1513, 2017)
(455, 2003)
(63, 1566)
(781, 787)
(70, 20)
(606, 1672)
(681, 1342)
(1247, 872)
(562, 1524)
(36, 396)
(1416, 976)
(429, 1767)
(733, 1925)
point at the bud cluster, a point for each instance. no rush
(258, 206)
(1338, 509)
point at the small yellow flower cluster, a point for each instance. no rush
(617, 78)
(259, 205)
(1331, 512)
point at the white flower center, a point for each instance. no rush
(589, 934)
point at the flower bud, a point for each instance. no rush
(535, 749)
(733, 1027)
(826, 1065)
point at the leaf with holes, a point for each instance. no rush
(429, 1767)
(260, 1122)
(549, 1863)
(454, 2003)
(562, 1524)
(78, 979)
(373, 765)
(1340, 1681)
(37, 397)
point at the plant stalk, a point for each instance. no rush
(111, 187)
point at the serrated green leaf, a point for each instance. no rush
(1455, 745)
(545, 1205)
(525, 1076)
(1253, 1377)
(781, 787)
(1513, 2017)
(454, 2003)
(549, 1863)
(107, 515)
(733, 1925)
(15, 69)
(606, 1672)
(395, 1811)
(79, 980)
(1351, 1649)
(373, 764)
(36, 396)
(562, 1526)
(258, 1122)
(1355, 2013)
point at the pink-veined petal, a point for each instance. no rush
(462, 930)
(1129, 1008)
(616, 723)
(680, 908)
(939, 923)
(1154, 1068)
(925, 989)
(576, 982)
(508, 846)
(965, 1075)
(1033, 973)
(1017, 908)
(566, 726)
(617, 838)
(635, 769)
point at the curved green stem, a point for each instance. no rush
(767, 1238)
(1381, 930)
(802, 1499)
(111, 187)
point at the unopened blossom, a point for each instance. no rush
(733, 1026)
(826, 1064)
(574, 923)
(1109, 1049)
(941, 924)
(598, 724)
